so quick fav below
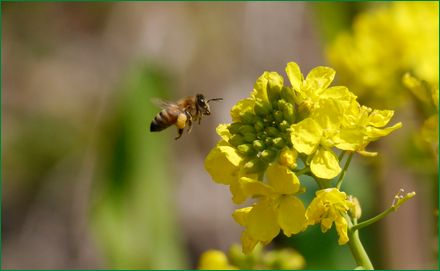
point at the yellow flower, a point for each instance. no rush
(214, 260)
(383, 43)
(361, 125)
(330, 206)
(315, 86)
(277, 207)
(314, 137)
(223, 162)
(428, 97)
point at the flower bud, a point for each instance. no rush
(244, 129)
(278, 116)
(278, 142)
(289, 113)
(262, 109)
(248, 118)
(272, 131)
(258, 145)
(253, 166)
(249, 137)
(355, 208)
(259, 125)
(268, 155)
(236, 140)
(234, 128)
(287, 95)
(288, 158)
(284, 125)
(268, 119)
(245, 149)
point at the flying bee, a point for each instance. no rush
(181, 113)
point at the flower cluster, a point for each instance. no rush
(259, 259)
(385, 43)
(274, 129)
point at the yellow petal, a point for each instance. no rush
(242, 107)
(319, 78)
(247, 242)
(349, 139)
(374, 133)
(238, 194)
(282, 179)
(262, 222)
(222, 163)
(306, 135)
(288, 158)
(241, 215)
(223, 132)
(260, 88)
(341, 228)
(325, 164)
(380, 118)
(328, 115)
(295, 76)
(339, 93)
(252, 187)
(291, 215)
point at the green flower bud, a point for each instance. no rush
(259, 125)
(258, 145)
(236, 140)
(284, 125)
(278, 142)
(234, 128)
(268, 155)
(268, 119)
(245, 149)
(289, 113)
(253, 166)
(245, 129)
(278, 116)
(272, 131)
(248, 118)
(275, 105)
(261, 108)
(249, 137)
(268, 141)
(288, 95)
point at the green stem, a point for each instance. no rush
(341, 177)
(322, 183)
(370, 221)
(357, 249)
(341, 155)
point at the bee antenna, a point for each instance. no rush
(215, 99)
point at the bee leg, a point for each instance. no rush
(200, 119)
(189, 121)
(180, 131)
(180, 123)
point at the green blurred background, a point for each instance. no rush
(86, 185)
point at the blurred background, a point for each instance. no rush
(86, 185)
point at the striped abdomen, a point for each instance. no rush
(164, 119)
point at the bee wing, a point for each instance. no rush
(161, 103)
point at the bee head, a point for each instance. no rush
(202, 104)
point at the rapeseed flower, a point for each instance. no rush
(330, 206)
(277, 207)
(273, 129)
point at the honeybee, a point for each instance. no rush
(182, 113)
